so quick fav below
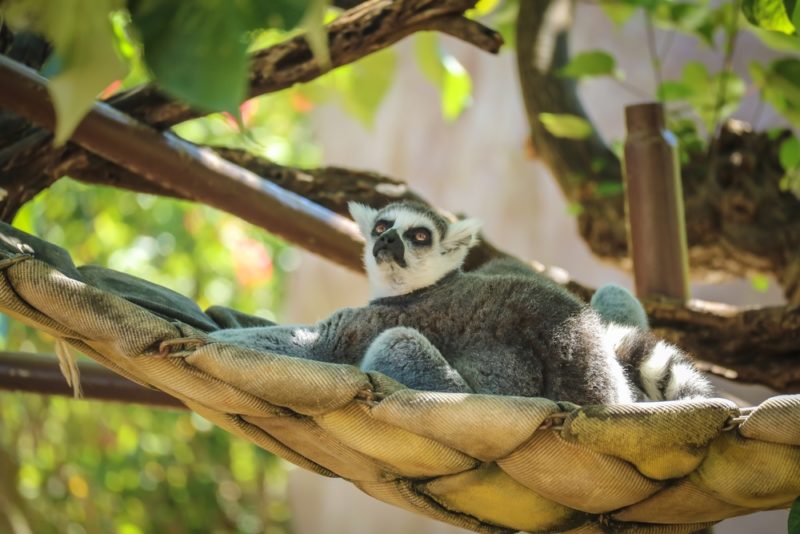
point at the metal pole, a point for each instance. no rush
(654, 205)
(195, 172)
(37, 373)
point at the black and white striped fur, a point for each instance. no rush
(659, 370)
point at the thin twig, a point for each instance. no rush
(727, 66)
(732, 33)
(757, 114)
(653, 48)
(666, 46)
(633, 89)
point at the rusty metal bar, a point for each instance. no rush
(38, 373)
(195, 172)
(654, 205)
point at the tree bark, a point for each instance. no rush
(738, 220)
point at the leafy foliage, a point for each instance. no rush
(779, 83)
(177, 36)
(693, 87)
(794, 518)
(700, 100)
(445, 72)
(362, 85)
(196, 51)
(81, 466)
(84, 61)
(773, 15)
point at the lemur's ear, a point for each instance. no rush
(461, 234)
(364, 216)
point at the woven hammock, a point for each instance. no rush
(482, 462)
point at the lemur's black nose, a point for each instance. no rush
(390, 241)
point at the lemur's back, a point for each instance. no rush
(510, 334)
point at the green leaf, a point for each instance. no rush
(456, 89)
(363, 84)
(84, 61)
(769, 15)
(618, 12)
(779, 84)
(574, 208)
(777, 41)
(566, 125)
(674, 90)
(794, 518)
(445, 72)
(483, 8)
(426, 52)
(280, 14)
(792, 8)
(691, 18)
(689, 139)
(695, 76)
(789, 153)
(587, 64)
(316, 33)
(760, 283)
(786, 73)
(703, 90)
(198, 50)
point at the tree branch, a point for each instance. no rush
(193, 172)
(30, 164)
(359, 32)
(738, 220)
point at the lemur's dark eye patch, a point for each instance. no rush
(380, 227)
(419, 236)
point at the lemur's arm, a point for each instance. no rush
(410, 358)
(321, 341)
(293, 340)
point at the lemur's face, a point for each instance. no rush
(409, 246)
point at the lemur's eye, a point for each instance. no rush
(420, 236)
(380, 227)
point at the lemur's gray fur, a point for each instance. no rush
(501, 329)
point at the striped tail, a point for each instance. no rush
(660, 370)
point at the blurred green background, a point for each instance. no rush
(78, 467)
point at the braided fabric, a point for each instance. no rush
(482, 462)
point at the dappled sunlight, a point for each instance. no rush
(86, 466)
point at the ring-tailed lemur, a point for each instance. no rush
(502, 329)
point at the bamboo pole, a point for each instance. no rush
(654, 205)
